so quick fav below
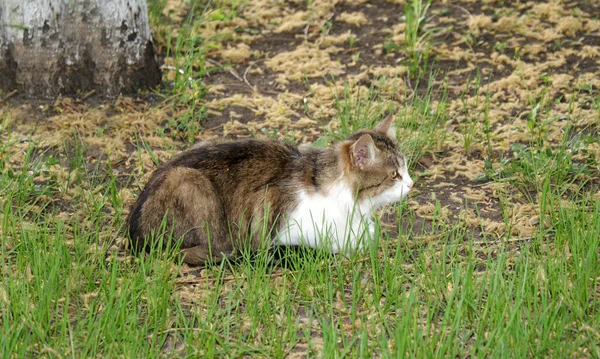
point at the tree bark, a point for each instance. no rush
(52, 47)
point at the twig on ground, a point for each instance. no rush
(465, 10)
(212, 128)
(88, 95)
(11, 94)
(306, 32)
(248, 69)
(231, 71)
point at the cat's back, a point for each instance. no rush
(231, 166)
(242, 157)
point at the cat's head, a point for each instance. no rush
(375, 167)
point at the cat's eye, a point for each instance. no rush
(395, 175)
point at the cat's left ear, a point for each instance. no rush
(387, 127)
(363, 152)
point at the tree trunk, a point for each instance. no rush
(52, 47)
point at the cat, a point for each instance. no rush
(217, 198)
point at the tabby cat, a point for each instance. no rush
(221, 197)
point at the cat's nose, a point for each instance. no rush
(410, 185)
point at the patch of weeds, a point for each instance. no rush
(276, 133)
(155, 9)
(189, 53)
(530, 167)
(358, 110)
(5, 131)
(476, 122)
(187, 48)
(158, 23)
(472, 39)
(538, 122)
(416, 40)
(566, 166)
(76, 151)
(225, 11)
(142, 146)
(596, 104)
(326, 27)
(517, 54)
(351, 41)
(186, 51)
(29, 188)
(558, 44)
(186, 126)
(421, 123)
(500, 46)
(390, 46)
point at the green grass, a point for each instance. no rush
(416, 40)
(416, 44)
(187, 49)
(60, 295)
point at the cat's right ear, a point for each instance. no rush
(363, 152)
(387, 127)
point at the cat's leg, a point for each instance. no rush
(195, 212)
(200, 255)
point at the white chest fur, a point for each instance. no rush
(332, 221)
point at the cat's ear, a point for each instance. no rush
(363, 152)
(387, 127)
